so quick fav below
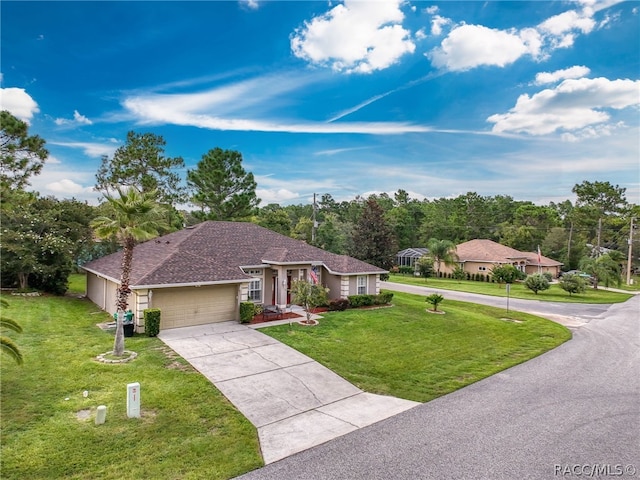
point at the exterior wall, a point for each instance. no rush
(485, 268)
(102, 292)
(554, 271)
(373, 286)
(334, 284)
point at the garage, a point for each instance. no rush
(187, 306)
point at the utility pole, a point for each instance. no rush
(569, 244)
(315, 223)
(630, 256)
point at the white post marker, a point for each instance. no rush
(101, 415)
(133, 400)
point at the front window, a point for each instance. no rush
(255, 290)
(255, 286)
(362, 285)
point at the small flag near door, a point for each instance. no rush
(314, 275)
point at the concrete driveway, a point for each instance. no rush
(573, 412)
(294, 402)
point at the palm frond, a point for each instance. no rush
(10, 324)
(11, 349)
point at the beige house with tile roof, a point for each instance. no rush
(202, 273)
(479, 256)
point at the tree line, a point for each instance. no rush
(44, 239)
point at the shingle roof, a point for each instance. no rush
(483, 250)
(215, 251)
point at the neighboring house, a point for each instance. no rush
(201, 274)
(479, 256)
(409, 256)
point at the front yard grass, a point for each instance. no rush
(517, 290)
(188, 430)
(406, 352)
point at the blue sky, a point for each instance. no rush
(348, 98)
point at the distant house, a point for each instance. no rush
(479, 256)
(201, 274)
(409, 256)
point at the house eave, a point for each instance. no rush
(189, 284)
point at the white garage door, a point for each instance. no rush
(186, 306)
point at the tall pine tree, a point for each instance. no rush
(373, 239)
(221, 187)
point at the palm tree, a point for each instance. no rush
(603, 269)
(442, 251)
(8, 346)
(135, 216)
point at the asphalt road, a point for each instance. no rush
(573, 412)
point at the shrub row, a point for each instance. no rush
(367, 300)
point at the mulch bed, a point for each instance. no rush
(284, 316)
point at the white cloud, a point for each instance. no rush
(78, 119)
(577, 71)
(437, 23)
(280, 195)
(355, 36)
(251, 4)
(568, 21)
(19, 103)
(573, 105)
(89, 148)
(247, 105)
(469, 46)
(68, 187)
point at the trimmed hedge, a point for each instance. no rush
(152, 321)
(339, 304)
(247, 311)
(368, 300)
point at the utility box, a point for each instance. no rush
(133, 400)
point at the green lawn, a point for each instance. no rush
(188, 430)
(554, 294)
(408, 353)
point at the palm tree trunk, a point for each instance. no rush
(123, 294)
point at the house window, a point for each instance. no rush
(362, 284)
(255, 290)
(255, 286)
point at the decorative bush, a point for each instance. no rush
(572, 284)
(548, 276)
(247, 311)
(339, 304)
(383, 298)
(406, 270)
(152, 321)
(536, 283)
(458, 273)
(434, 299)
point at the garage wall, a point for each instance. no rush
(187, 306)
(102, 292)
